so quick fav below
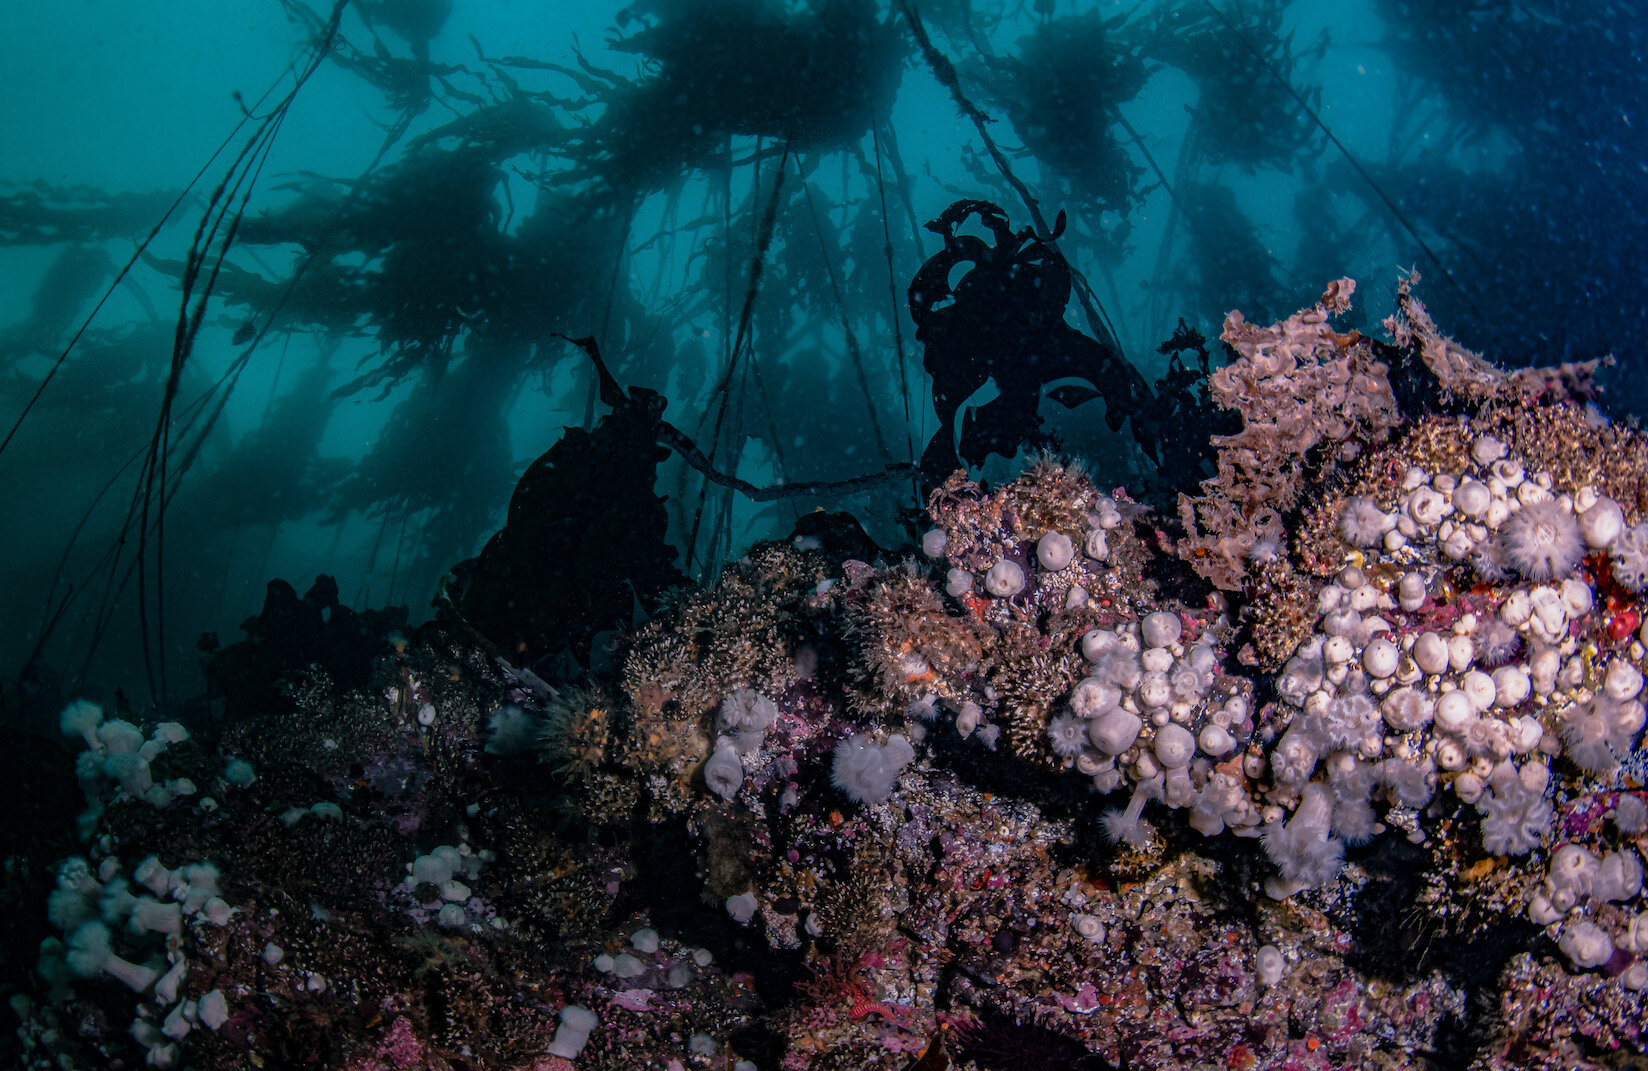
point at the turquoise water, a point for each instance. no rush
(424, 210)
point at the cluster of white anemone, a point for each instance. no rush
(1152, 711)
(1574, 900)
(1481, 706)
(1055, 552)
(743, 721)
(1384, 706)
(1393, 699)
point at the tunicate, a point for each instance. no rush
(1430, 652)
(1004, 580)
(934, 542)
(1054, 550)
(1175, 747)
(1160, 629)
(1410, 591)
(1472, 498)
(958, 583)
(1379, 657)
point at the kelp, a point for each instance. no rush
(1062, 91)
(1003, 320)
(584, 542)
(1252, 108)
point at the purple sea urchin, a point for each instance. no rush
(998, 1042)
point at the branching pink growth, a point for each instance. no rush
(1297, 384)
(1463, 372)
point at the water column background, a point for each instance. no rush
(452, 191)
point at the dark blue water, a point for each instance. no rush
(375, 254)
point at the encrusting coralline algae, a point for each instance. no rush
(1352, 760)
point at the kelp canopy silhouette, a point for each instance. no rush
(1244, 68)
(464, 246)
(1002, 321)
(585, 538)
(816, 79)
(1061, 91)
